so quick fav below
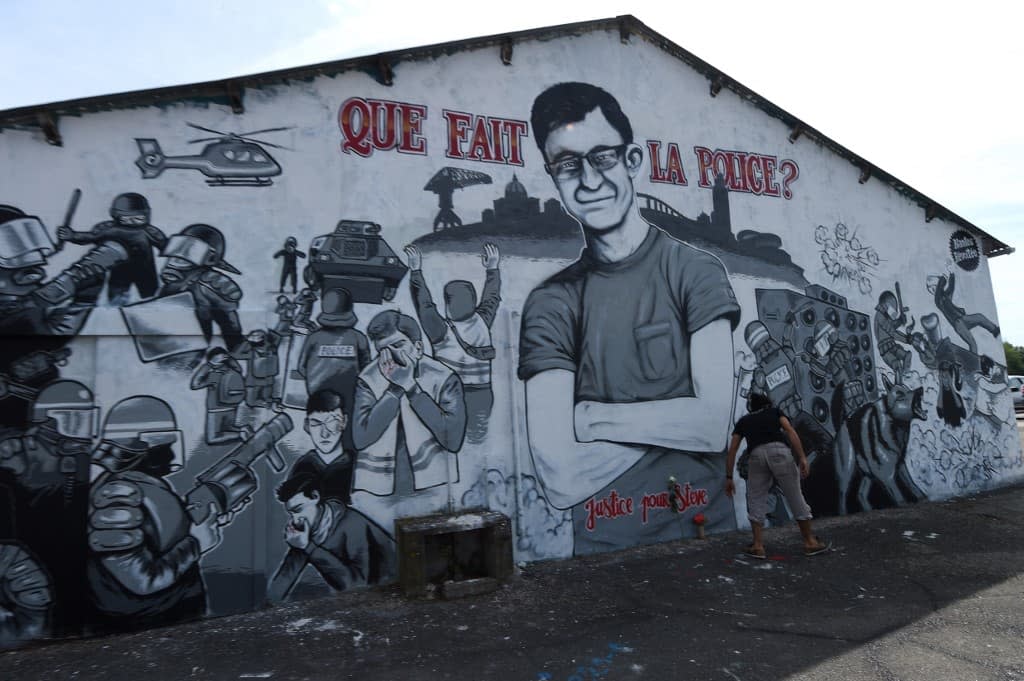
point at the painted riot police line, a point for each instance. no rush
(560, 359)
(40, 319)
(130, 544)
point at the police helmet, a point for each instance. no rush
(887, 301)
(70, 405)
(128, 204)
(134, 426)
(202, 245)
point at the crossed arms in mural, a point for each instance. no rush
(580, 447)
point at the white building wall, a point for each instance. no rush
(856, 240)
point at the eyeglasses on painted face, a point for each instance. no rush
(600, 159)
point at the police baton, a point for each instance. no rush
(68, 215)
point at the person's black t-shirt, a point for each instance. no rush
(761, 427)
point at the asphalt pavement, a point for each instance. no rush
(930, 591)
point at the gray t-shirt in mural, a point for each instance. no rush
(624, 329)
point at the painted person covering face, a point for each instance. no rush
(304, 511)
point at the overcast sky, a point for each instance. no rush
(928, 91)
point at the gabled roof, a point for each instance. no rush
(382, 67)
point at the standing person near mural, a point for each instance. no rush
(221, 375)
(462, 338)
(409, 413)
(767, 432)
(289, 268)
(776, 376)
(143, 566)
(627, 353)
(329, 460)
(343, 545)
(193, 257)
(334, 354)
(131, 229)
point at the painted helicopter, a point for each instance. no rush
(230, 160)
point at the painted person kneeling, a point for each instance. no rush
(770, 437)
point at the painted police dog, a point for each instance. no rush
(871, 446)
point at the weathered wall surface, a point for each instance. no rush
(221, 384)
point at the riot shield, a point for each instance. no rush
(293, 388)
(163, 327)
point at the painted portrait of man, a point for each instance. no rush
(627, 353)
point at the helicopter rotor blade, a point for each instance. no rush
(204, 139)
(265, 144)
(259, 132)
(199, 127)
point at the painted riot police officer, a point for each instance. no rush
(890, 320)
(131, 229)
(304, 302)
(776, 372)
(194, 257)
(143, 567)
(828, 358)
(285, 312)
(38, 318)
(259, 352)
(221, 375)
(51, 461)
(49, 467)
(334, 354)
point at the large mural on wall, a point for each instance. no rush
(233, 407)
